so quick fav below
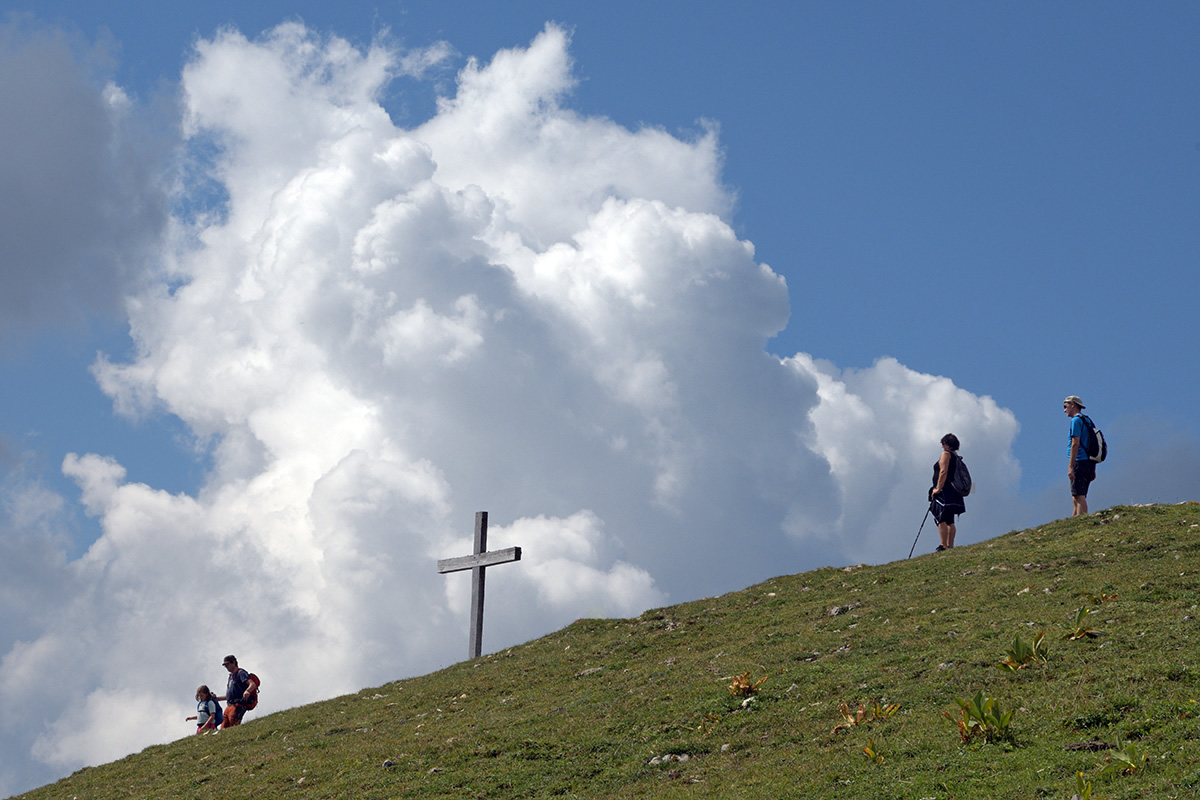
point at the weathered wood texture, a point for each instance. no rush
(489, 559)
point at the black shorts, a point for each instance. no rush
(1085, 473)
(944, 513)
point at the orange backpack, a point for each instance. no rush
(250, 698)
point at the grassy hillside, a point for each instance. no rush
(643, 708)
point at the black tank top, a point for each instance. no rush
(948, 493)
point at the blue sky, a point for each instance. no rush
(888, 156)
(977, 209)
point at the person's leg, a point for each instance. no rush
(1085, 472)
(945, 522)
(1079, 489)
(1089, 476)
(946, 531)
(231, 716)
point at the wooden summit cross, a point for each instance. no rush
(477, 563)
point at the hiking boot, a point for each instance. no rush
(939, 549)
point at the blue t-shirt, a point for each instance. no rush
(239, 680)
(1080, 430)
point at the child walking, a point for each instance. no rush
(208, 711)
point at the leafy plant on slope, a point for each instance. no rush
(864, 714)
(1021, 654)
(1083, 788)
(1127, 759)
(872, 752)
(982, 718)
(1080, 628)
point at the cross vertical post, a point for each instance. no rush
(477, 562)
(478, 576)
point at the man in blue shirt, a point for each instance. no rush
(238, 692)
(1081, 470)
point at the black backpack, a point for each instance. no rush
(1096, 448)
(961, 482)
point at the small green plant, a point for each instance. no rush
(1083, 788)
(872, 752)
(864, 714)
(982, 718)
(1127, 759)
(1080, 628)
(1021, 654)
(879, 711)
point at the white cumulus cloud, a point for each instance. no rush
(510, 307)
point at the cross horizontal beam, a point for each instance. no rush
(489, 559)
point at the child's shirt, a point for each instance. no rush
(204, 710)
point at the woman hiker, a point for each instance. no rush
(944, 501)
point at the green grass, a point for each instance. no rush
(584, 711)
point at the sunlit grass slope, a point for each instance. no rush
(642, 708)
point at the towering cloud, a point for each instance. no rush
(376, 332)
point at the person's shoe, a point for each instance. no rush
(939, 549)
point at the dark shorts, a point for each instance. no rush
(944, 513)
(1085, 473)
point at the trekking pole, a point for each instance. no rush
(914, 547)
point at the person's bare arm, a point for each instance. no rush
(943, 470)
